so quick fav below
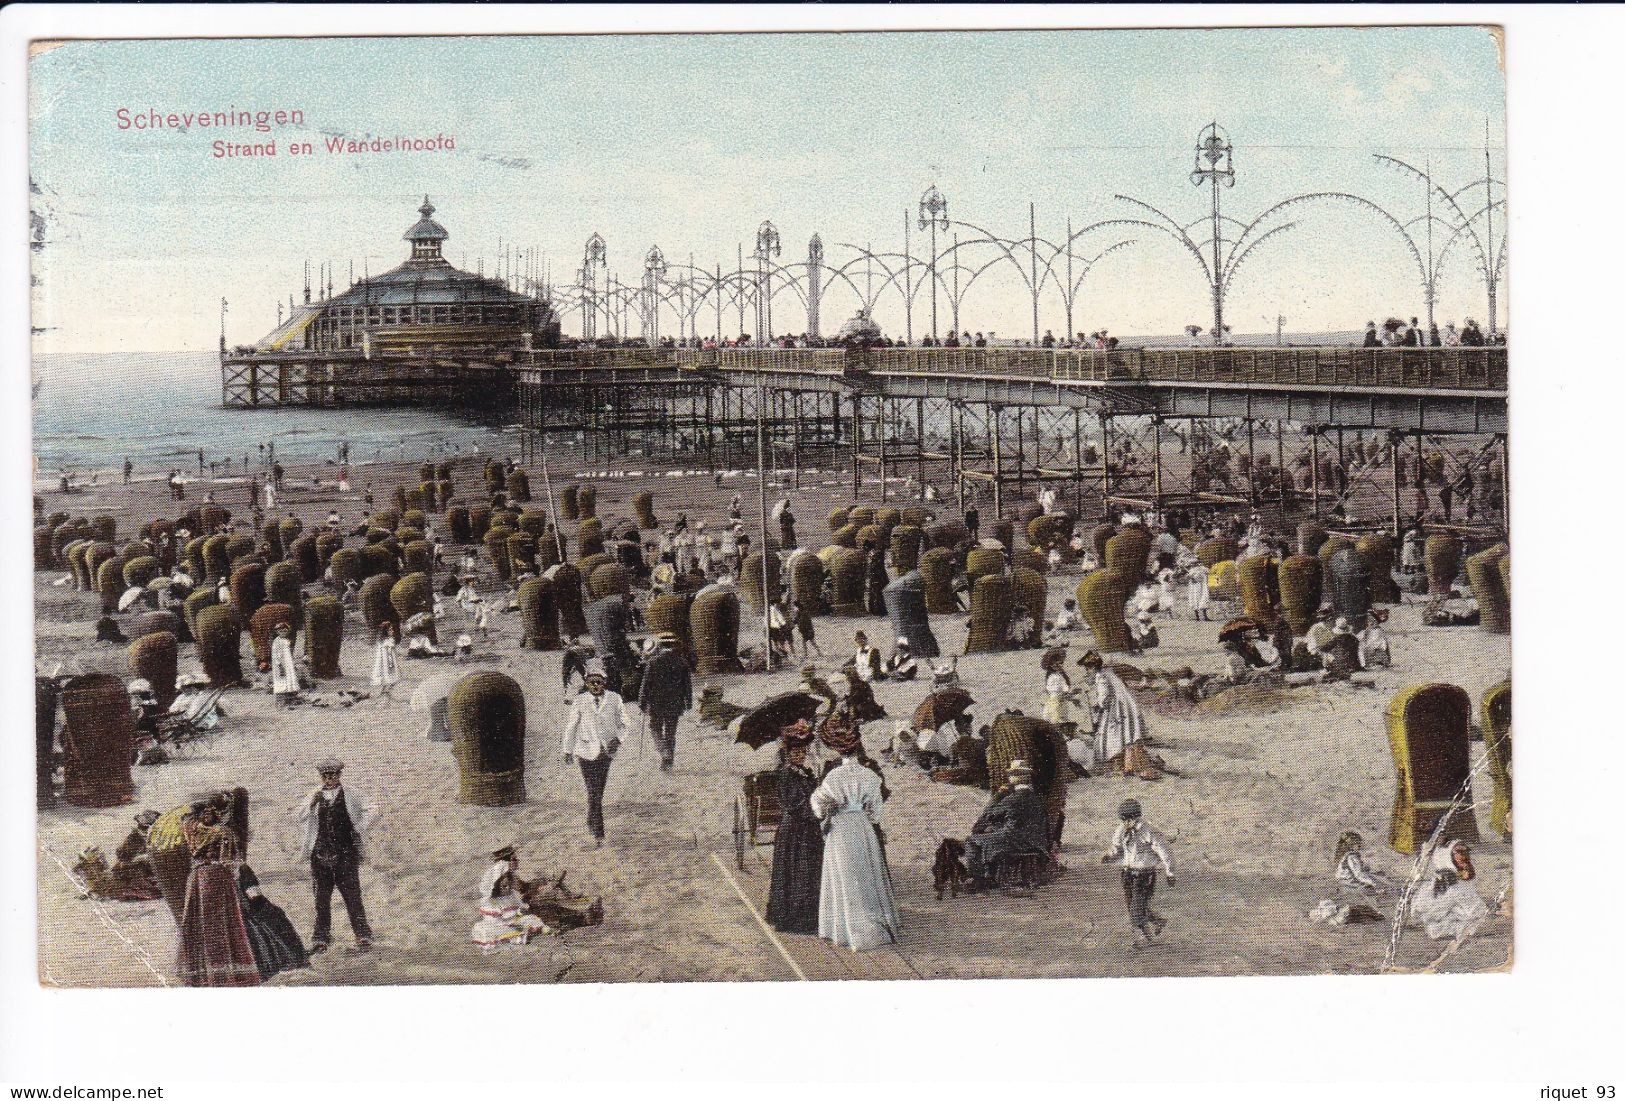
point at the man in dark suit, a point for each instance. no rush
(1372, 340)
(334, 822)
(666, 693)
(1413, 336)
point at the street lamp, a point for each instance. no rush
(654, 268)
(593, 259)
(933, 215)
(767, 247)
(1213, 147)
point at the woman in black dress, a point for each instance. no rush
(271, 936)
(798, 847)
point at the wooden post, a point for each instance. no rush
(1394, 438)
(1314, 470)
(710, 433)
(1280, 466)
(956, 428)
(1156, 459)
(795, 452)
(919, 446)
(1506, 488)
(1105, 466)
(1077, 461)
(1252, 467)
(880, 438)
(761, 486)
(998, 461)
(857, 445)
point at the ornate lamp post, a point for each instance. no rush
(815, 267)
(654, 269)
(767, 247)
(1214, 166)
(1219, 258)
(933, 215)
(593, 260)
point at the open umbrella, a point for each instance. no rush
(942, 706)
(764, 722)
(131, 595)
(435, 688)
(1236, 628)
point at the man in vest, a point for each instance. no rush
(335, 821)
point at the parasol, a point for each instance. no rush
(435, 688)
(1236, 628)
(763, 723)
(989, 543)
(130, 596)
(942, 706)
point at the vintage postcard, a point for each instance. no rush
(697, 508)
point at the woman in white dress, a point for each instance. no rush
(1446, 903)
(284, 673)
(385, 670)
(1196, 591)
(855, 907)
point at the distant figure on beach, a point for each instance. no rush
(284, 674)
(666, 693)
(129, 468)
(385, 667)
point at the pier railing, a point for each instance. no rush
(1390, 368)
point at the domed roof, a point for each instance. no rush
(426, 228)
(427, 278)
(433, 283)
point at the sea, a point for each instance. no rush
(92, 411)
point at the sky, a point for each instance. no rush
(690, 142)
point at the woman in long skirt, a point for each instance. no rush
(855, 905)
(798, 847)
(271, 936)
(385, 669)
(214, 947)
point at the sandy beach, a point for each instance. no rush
(1252, 818)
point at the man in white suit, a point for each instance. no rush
(593, 734)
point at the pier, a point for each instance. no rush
(1099, 424)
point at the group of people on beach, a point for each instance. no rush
(830, 872)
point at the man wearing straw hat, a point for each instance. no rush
(1015, 826)
(666, 693)
(593, 734)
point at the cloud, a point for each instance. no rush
(1403, 89)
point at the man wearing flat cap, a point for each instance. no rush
(666, 693)
(593, 734)
(335, 820)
